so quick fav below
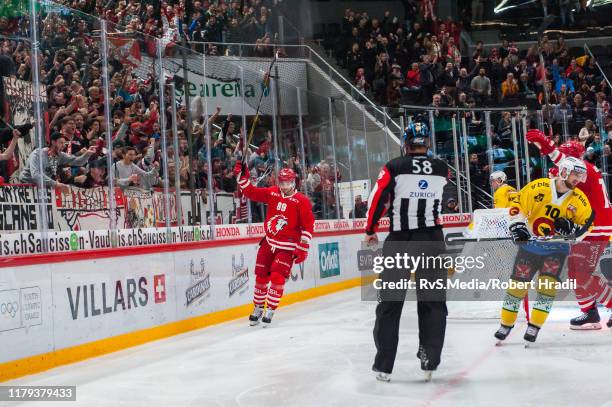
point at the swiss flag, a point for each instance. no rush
(128, 50)
(159, 288)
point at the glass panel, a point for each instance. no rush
(72, 63)
(165, 126)
(474, 124)
(359, 162)
(319, 156)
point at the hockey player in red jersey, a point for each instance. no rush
(584, 256)
(288, 226)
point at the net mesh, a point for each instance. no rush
(489, 224)
(498, 258)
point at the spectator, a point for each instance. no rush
(128, 174)
(479, 52)
(438, 101)
(354, 60)
(607, 152)
(525, 88)
(451, 206)
(595, 144)
(602, 104)
(53, 159)
(360, 209)
(453, 54)
(448, 79)
(504, 130)
(573, 70)
(360, 81)
(562, 113)
(413, 78)
(581, 112)
(546, 96)
(587, 132)
(509, 87)
(463, 83)
(433, 47)
(591, 72)
(426, 76)
(478, 175)
(96, 177)
(564, 81)
(481, 86)
(381, 76)
(394, 93)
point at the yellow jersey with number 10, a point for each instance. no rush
(504, 196)
(540, 202)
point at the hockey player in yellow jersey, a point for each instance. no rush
(504, 194)
(545, 207)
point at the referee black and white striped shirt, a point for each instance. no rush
(410, 188)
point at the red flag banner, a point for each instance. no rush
(128, 50)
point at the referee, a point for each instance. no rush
(411, 188)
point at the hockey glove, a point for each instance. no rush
(538, 138)
(240, 168)
(519, 232)
(564, 226)
(301, 252)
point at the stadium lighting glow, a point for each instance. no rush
(504, 5)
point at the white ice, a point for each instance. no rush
(319, 353)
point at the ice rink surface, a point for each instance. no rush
(319, 353)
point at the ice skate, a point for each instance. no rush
(267, 318)
(419, 352)
(255, 315)
(502, 333)
(426, 368)
(383, 377)
(609, 323)
(589, 320)
(531, 334)
(427, 375)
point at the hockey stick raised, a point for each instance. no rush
(266, 83)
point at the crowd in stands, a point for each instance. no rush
(417, 60)
(422, 61)
(76, 137)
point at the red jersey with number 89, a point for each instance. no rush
(289, 218)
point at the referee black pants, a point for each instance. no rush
(431, 301)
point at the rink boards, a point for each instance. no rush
(60, 308)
